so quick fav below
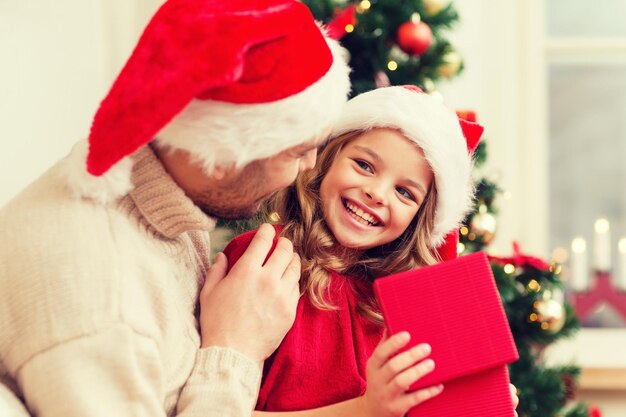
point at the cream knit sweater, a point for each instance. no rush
(98, 304)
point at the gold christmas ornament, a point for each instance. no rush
(433, 7)
(483, 225)
(551, 315)
(451, 64)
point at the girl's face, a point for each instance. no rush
(374, 188)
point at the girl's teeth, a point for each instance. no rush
(360, 215)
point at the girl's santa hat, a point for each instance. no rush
(447, 142)
(228, 81)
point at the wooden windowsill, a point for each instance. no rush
(604, 379)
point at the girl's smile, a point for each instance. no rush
(361, 214)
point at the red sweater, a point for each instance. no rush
(323, 357)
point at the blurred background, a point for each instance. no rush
(547, 79)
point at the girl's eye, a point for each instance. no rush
(363, 165)
(405, 193)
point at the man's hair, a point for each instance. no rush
(300, 212)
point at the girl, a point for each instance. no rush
(386, 191)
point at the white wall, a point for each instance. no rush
(501, 42)
(58, 60)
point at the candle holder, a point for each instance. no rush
(602, 291)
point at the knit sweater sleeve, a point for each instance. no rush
(70, 380)
(10, 405)
(223, 383)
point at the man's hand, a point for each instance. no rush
(251, 308)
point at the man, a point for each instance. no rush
(220, 105)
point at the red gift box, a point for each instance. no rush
(454, 306)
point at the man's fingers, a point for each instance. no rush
(293, 270)
(259, 246)
(280, 259)
(215, 274)
(388, 347)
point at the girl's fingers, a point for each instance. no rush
(514, 395)
(388, 347)
(403, 381)
(411, 399)
(404, 360)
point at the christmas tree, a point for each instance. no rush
(393, 42)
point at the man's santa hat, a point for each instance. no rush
(447, 141)
(228, 81)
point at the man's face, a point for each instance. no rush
(239, 193)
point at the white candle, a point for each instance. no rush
(621, 277)
(578, 265)
(602, 246)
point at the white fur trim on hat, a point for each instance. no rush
(221, 133)
(104, 189)
(434, 128)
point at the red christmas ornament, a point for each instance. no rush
(414, 37)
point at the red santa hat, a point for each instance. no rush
(229, 81)
(447, 142)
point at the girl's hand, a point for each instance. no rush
(514, 396)
(389, 377)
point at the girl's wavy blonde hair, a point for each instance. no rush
(300, 212)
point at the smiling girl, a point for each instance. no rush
(386, 195)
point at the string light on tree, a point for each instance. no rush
(460, 248)
(509, 268)
(415, 36)
(363, 6)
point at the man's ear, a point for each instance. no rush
(219, 172)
